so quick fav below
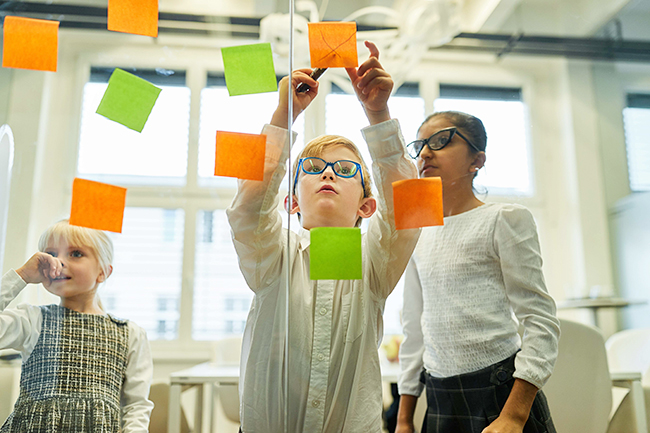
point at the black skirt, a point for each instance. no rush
(468, 403)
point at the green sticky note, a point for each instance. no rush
(249, 69)
(335, 253)
(128, 100)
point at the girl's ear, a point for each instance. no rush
(479, 162)
(101, 278)
(367, 208)
(295, 208)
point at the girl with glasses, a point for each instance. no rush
(468, 288)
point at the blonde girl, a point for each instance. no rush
(83, 370)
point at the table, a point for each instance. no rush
(597, 303)
(207, 376)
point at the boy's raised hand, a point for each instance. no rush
(41, 267)
(372, 85)
(300, 100)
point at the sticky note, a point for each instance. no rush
(30, 44)
(128, 100)
(335, 253)
(240, 155)
(418, 203)
(249, 69)
(139, 17)
(97, 205)
(333, 45)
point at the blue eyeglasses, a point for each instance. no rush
(342, 168)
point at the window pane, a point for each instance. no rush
(147, 271)
(637, 142)
(221, 296)
(245, 113)
(110, 152)
(507, 169)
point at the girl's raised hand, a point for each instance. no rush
(41, 267)
(372, 85)
(300, 100)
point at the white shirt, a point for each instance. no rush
(468, 286)
(20, 329)
(335, 326)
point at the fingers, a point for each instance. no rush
(51, 266)
(373, 79)
(374, 51)
(302, 76)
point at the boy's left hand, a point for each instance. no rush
(504, 424)
(372, 85)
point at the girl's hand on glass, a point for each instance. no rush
(300, 100)
(372, 85)
(39, 268)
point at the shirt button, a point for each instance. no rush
(321, 356)
(323, 311)
(315, 403)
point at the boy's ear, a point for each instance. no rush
(102, 277)
(295, 208)
(367, 208)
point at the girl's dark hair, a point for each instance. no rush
(470, 126)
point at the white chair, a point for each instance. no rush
(629, 351)
(6, 163)
(159, 395)
(579, 391)
(227, 352)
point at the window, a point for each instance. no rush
(636, 117)
(112, 153)
(507, 169)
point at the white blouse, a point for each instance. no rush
(469, 285)
(334, 382)
(20, 329)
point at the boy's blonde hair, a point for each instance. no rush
(317, 147)
(96, 240)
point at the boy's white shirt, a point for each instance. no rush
(335, 326)
(20, 329)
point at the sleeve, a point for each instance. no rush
(254, 220)
(412, 348)
(136, 406)
(21, 326)
(517, 247)
(388, 249)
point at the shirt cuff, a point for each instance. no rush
(12, 279)
(278, 136)
(381, 138)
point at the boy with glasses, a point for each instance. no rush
(334, 325)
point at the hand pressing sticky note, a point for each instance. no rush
(335, 253)
(97, 205)
(30, 44)
(249, 69)
(333, 45)
(240, 155)
(138, 17)
(128, 100)
(418, 203)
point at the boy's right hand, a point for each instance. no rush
(300, 100)
(41, 267)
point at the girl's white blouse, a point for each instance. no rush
(20, 329)
(468, 286)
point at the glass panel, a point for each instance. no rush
(110, 152)
(221, 297)
(146, 282)
(637, 143)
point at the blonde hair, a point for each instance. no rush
(96, 240)
(319, 145)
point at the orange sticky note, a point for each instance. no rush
(418, 203)
(333, 45)
(97, 205)
(30, 44)
(139, 17)
(240, 155)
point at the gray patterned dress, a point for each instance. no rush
(72, 380)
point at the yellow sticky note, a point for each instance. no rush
(333, 45)
(418, 203)
(97, 205)
(240, 155)
(139, 17)
(30, 44)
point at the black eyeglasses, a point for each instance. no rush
(436, 142)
